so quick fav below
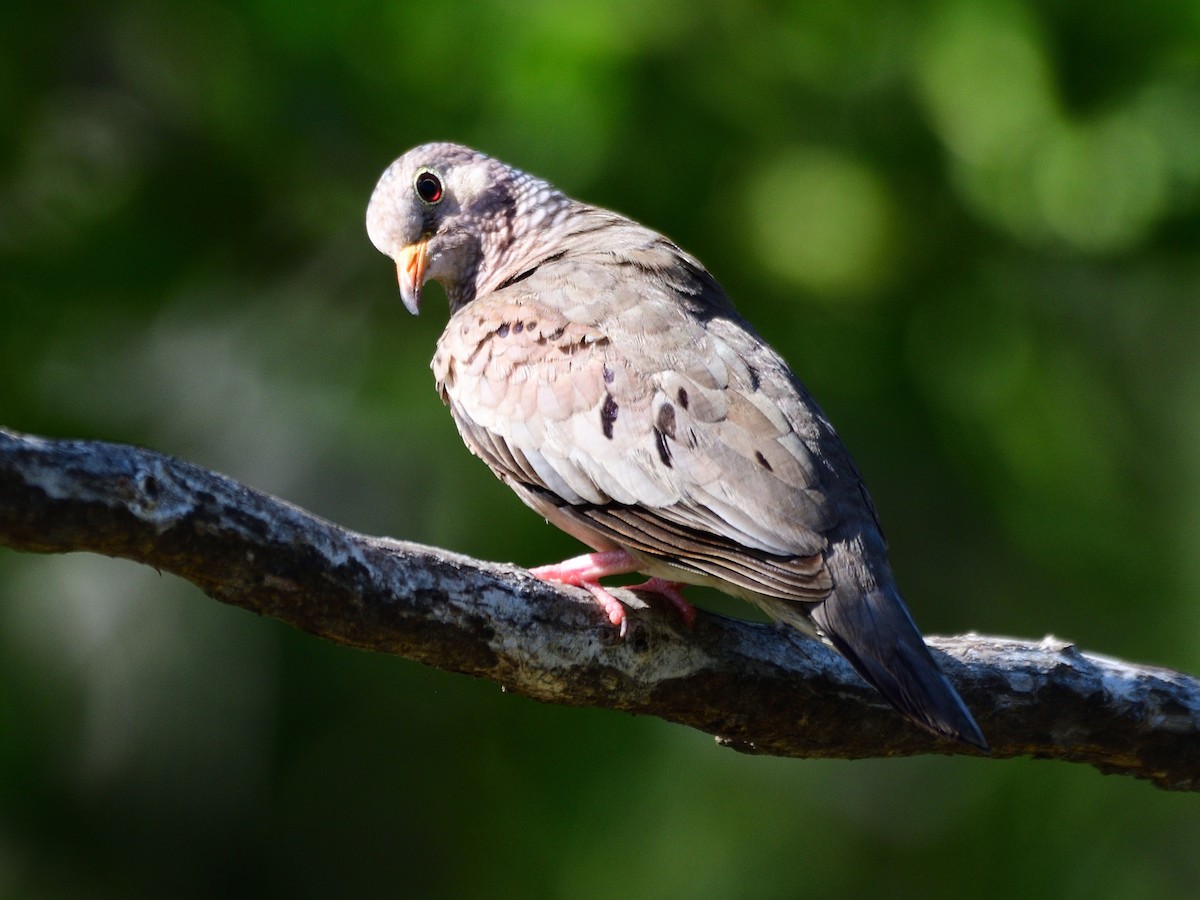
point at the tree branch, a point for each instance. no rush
(758, 688)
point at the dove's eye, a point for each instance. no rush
(429, 187)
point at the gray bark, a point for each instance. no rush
(757, 688)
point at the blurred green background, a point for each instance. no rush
(972, 227)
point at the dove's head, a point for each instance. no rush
(451, 214)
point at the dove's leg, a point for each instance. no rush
(587, 570)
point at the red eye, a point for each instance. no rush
(429, 187)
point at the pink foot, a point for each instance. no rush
(673, 591)
(586, 571)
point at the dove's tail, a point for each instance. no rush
(875, 632)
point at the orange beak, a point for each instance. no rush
(410, 272)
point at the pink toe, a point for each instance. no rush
(673, 592)
(586, 571)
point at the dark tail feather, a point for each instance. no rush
(878, 636)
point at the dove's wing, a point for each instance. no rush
(638, 411)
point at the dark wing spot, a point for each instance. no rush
(483, 342)
(518, 327)
(608, 415)
(502, 331)
(587, 342)
(682, 397)
(557, 333)
(753, 373)
(665, 420)
(664, 450)
(520, 276)
(762, 461)
(609, 375)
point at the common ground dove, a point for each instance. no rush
(604, 376)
